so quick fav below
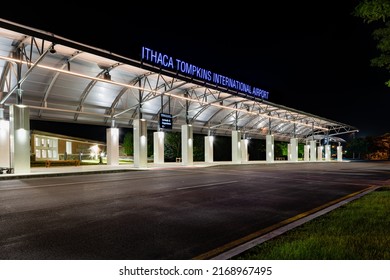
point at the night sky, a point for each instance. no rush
(311, 57)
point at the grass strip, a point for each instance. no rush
(359, 230)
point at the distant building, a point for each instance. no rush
(51, 146)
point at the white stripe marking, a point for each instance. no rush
(207, 185)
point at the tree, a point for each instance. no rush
(172, 145)
(280, 149)
(128, 143)
(373, 10)
(357, 148)
(378, 11)
(382, 144)
(198, 147)
(150, 146)
(257, 149)
(301, 150)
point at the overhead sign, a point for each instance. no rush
(186, 68)
(165, 121)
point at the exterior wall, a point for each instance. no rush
(57, 145)
(61, 147)
(45, 147)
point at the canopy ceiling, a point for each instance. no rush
(66, 81)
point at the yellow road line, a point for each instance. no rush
(235, 243)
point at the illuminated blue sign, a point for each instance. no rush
(186, 68)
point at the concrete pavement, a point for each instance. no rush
(211, 213)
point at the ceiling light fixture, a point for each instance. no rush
(52, 49)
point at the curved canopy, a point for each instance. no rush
(62, 80)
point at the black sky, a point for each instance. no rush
(312, 57)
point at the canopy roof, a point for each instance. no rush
(66, 81)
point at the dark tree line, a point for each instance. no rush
(222, 147)
(366, 148)
(369, 148)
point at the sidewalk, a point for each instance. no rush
(97, 168)
(103, 168)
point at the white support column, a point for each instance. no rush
(306, 152)
(236, 146)
(327, 152)
(313, 150)
(140, 133)
(244, 150)
(158, 146)
(4, 144)
(269, 139)
(20, 138)
(112, 135)
(294, 149)
(289, 155)
(319, 153)
(209, 148)
(339, 153)
(187, 145)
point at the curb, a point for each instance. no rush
(237, 247)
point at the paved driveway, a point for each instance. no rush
(178, 213)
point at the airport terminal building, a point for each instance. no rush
(50, 78)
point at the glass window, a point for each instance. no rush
(68, 147)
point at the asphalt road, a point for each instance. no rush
(165, 214)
